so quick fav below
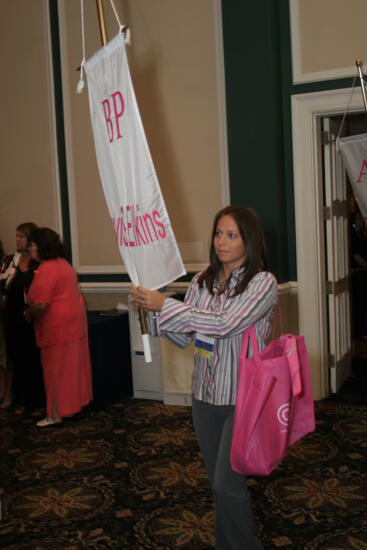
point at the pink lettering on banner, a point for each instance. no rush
(123, 229)
(118, 110)
(107, 115)
(362, 173)
(162, 231)
(139, 236)
(133, 228)
(129, 226)
(148, 218)
(118, 107)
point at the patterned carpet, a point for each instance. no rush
(130, 476)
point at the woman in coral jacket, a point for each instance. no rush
(57, 308)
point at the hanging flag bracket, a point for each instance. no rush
(363, 87)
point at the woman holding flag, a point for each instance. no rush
(233, 293)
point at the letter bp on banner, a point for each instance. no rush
(354, 153)
(134, 199)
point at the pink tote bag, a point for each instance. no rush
(274, 404)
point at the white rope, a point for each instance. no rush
(122, 27)
(126, 30)
(80, 85)
(347, 110)
(116, 14)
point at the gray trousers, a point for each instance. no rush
(232, 500)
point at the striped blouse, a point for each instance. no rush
(223, 318)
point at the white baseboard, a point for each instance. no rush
(142, 394)
(177, 399)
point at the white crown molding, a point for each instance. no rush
(100, 269)
(109, 288)
(334, 74)
(124, 288)
(104, 288)
(121, 269)
(288, 287)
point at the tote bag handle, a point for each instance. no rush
(250, 333)
(277, 317)
(290, 348)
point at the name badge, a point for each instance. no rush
(204, 346)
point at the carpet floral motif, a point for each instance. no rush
(148, 440)
(65, 458)
(58, 502)
(171, 475)
(316, 493)
(355, 430)
(179, 528)
(131, 477)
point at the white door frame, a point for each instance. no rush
(307, 110)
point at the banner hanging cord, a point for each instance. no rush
(347, 109)
(80, 85)
(116, 14)
(123, 29)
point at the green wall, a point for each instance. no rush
(258, 72)
(254, 119)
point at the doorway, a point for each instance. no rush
(346, 265)
(308, 110)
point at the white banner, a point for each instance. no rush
(134, 199)
(354, 152)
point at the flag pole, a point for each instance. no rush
(363, 89)
(102, 26)
(143, 323)
(142, 319)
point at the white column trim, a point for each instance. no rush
(68, 136)
(52, 118)
(222, 107)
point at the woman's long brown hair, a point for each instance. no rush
(252, 234)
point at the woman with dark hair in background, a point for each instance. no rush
(233, 293)
(58, 310)
(26, 388)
